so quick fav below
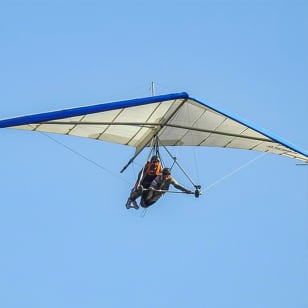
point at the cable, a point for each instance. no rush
(234, 171)
(142, 214)
(84, 157)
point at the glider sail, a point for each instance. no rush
(177, 119)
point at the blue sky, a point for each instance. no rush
(67, 239)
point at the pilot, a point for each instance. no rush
(145, 177)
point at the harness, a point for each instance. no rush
(152, 169)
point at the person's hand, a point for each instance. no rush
(140, 189)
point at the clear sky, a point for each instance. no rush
(66, 237)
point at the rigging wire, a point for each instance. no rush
(234, 171)
(144, 211)
(85, 158)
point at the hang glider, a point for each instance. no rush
(176, 119)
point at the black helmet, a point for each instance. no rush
(166, 171)
(155, 158)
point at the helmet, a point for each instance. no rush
(166, 171)
(155, 158)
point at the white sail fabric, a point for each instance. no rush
(177, 119)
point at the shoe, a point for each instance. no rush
(128, 203)
(129, 206)
(135, 205)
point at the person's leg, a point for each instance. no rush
(132, 199)
(151, 198)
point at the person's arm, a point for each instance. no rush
(180, 187)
